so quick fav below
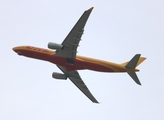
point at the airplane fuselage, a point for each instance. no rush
(80, 63)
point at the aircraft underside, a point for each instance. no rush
(71, 65)
(68, 62)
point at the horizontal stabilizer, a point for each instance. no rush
(134, 77)
(141, 59)
(133, 62)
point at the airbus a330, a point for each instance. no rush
(64, 56)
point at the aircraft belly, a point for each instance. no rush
(101, 65)
(81, 65)
(96, 67)
(35, 55)
(62, 61)
(76, 65)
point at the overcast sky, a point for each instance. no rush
(115, 31)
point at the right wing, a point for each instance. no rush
(76, 79)
(71, 42)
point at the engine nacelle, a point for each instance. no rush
(55, 46)
(59, 76)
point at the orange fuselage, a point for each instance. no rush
(80, 62)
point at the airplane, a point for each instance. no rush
(64, 56)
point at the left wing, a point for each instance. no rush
(76, 79)
(72, 40)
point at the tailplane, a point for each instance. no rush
(134, 76)
(132, 64)
(141, 59)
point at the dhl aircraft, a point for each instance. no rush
(64, 56)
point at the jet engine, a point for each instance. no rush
(55, 46)
(59, 76)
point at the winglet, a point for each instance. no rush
(90, 9)
(97, 102)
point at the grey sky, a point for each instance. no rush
(115, 31)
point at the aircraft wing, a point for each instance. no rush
(76, 79)
(72, 40)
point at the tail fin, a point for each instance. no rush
(135, 61)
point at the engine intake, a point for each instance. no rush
(55, 46)
(59, 76)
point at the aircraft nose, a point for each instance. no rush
(16, 49)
